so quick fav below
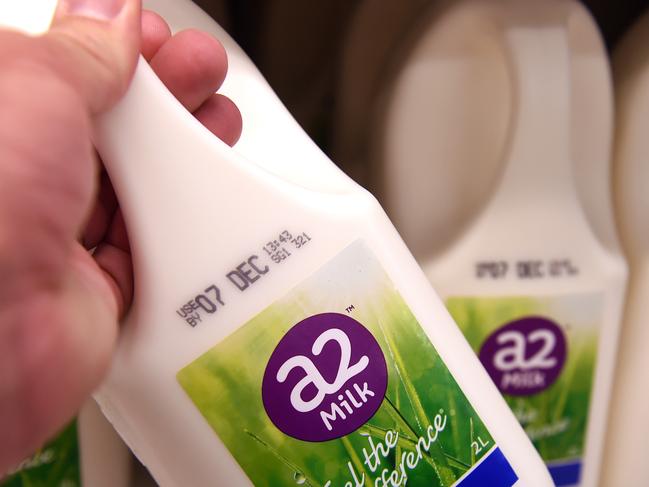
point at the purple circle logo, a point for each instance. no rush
(325, 379)
(525, 356)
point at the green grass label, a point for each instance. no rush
(541, 352)
(54, 465)
(422, 431)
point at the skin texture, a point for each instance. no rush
(59, 303)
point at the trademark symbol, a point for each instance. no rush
(349, 308)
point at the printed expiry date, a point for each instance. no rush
(208, 301)
(242, 276)
(526, 269)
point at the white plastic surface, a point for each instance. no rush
(194, 208)
(533, 185)
(105, 460)
(627, 440)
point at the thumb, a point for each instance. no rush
(93, 45)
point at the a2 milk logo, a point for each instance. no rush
(525, 356)
(325, 379)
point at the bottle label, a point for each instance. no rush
(54, 465)
(337, 385)
(541, 353)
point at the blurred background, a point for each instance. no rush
(300, 48)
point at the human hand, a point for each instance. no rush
(60, 305)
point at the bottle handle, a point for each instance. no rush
(271, 137)
(538, 153)
(163, 163)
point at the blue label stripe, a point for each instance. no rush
(567, 473)
(493, 470)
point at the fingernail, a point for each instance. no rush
(95, 9)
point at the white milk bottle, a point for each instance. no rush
(627, 439)
(281, 332)
(518, 235)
